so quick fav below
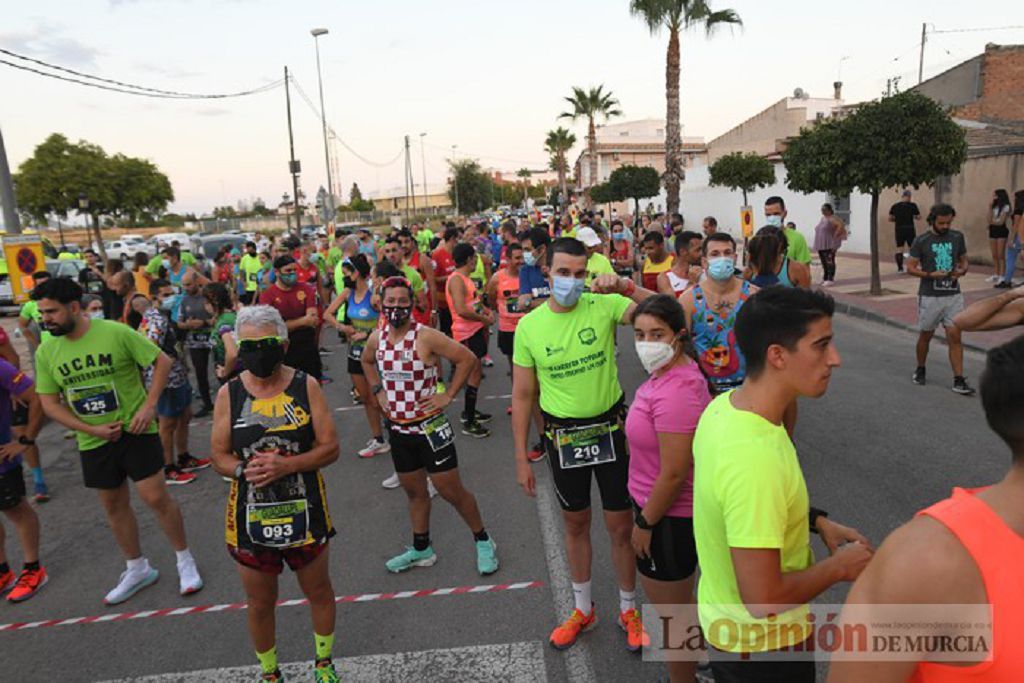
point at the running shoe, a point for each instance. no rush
(537, 452)
(7, 581)
(633, 625)
(482, 418)
(42, 493)
(391, 482)
(355, 396)
(130, 584)
(475, 430)
(326, 352)
(961, 387)
(175, 477)
(274, 676)
(29, 583)
(430, 487)
(325, 380)
(324, 672)
(1003, 284)
(190, 463)
(204, 411)
(486, 557)
(919, 377)
(189, 581)
(993, 278)
(374, 447)
(412, 558)
(565, 634)
(487, 361)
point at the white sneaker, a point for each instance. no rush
(993, 278)
(391, 482)
(430, 487)
(827, 283)
(375, 447)
(130, 584)
(189, 581)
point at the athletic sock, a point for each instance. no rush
(421, 541)
(268, 660)
(32, 566)
(4, 567)
(184, 455)
(581, 595)
(627, 600)
(324, 645)
(470, 411)
(183, 555)
(138, 566)
(899, 259)
(481, 535)
(37, 476)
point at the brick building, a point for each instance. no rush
(988, 87)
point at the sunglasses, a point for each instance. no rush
(258, 344)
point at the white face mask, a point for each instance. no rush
(654, 355)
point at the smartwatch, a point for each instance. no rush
(25, 441)
(239, 471)
(376, 389)
(815, 513)
(641, 523)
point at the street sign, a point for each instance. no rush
(747, 220)
(24, 256)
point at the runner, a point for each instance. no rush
(623, 258)
(400, 365)
(393, 253)
(939, 258)
(904, 214)
(297, 305)
(770, 263)
(367, 245)
(750, 503)
(657, 260)
(357, 322)
(597, 262)
(565, 349)
(660, 428)
(272, 434)
(424, 268)
(444, 266)
(534, 289)
(249, 269)
(685, 271)
(95, 365)
(174, 409)
(796, 244)
(16, 385)
(91, 277)
(225, 350)
(196, 321)
(964, 550)
(470, 318)
(29, 318)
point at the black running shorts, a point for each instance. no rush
(12, 488)
(138, 456)
(412, 452)
(572, 486)
(673, 550)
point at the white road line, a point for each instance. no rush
(578, 663)
(514, 662)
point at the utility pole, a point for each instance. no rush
(455, 181)
(408, 181)
(294, 167)
(920, 64)
(423, 159)
(316, 33)
(11, 223)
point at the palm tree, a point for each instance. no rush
(591, 104)
(676, 15)
(558, 144)
(525, 174)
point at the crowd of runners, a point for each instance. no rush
(697, 469)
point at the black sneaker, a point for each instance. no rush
(476, 430)
(919, 377)
(961, 387)
(1002, 284)
(482, 418)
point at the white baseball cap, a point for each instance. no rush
(588, 237)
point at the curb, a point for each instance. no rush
(863, 313)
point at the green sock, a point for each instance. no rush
(268, 660)
(324, 645)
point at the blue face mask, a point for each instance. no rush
(721, 268)
(618, 236)
(166, 264)
(529, 259)
(167, 303)
(774, 221)
(289, 278)
(566, 290)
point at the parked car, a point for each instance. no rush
(69, 268)
(207, 247)
(132, 238)
(126, 250)
(164, 239)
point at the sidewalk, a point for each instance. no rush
(898, 305)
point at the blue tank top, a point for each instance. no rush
(715, 341)
(780, 278)
(362, 316)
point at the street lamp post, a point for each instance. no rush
(316, 33)
(455, 181)
(7, 198)
(423, 159)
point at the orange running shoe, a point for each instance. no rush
(29, 583)
(633, 625)
(565, 634)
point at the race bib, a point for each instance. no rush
(511, 305)
(439, 432)
(278, 525)
(946, 284)
(355, 351)
(200, 338)
(93, 401)
(585, 446)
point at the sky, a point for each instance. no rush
(488, 77)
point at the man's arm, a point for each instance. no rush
(147, 411)
(525, 391)
(436, 343)
(458, 288)
(613, 284)
(664, 286)
(224, 459)
(60, 413)
(24, 324)
(993, 313)
(913, 266)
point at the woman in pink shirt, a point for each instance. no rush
(660, 428)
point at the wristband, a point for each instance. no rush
(640, 522)
(25, 441)
(630, 288)
(376, 389)
(813, 516)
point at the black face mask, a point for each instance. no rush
(349, 282)
(397, 315)
(262, 362)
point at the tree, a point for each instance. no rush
(634, 182)
(676, 15)
(139, 189)
(558, 143)
(743, 172)
(525, 174)
(470, 184)
(591, 105)
(603, 193)
(354, 195)
(841, 155)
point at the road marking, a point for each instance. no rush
(201, 609)
(517, 662)
(578, 663)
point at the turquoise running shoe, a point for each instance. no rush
(412, 558)
(324, 672)
(486, 559)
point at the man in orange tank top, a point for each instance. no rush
(965, 550)
(470, 319)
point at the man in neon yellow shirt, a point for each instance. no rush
(751, 518)
(597, 262)
(565, 350)
(249, 267)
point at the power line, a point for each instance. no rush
(121, 86)
(978, 30)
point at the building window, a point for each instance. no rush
(615, 156)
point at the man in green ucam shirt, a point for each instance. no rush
(775, 215)
(94, 365)
(565, 350)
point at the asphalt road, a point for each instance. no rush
(874, 450)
